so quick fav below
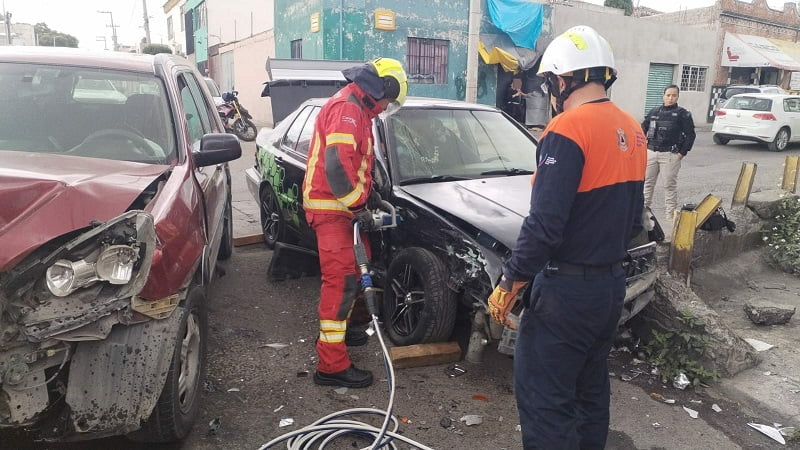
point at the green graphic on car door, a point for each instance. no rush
(275, 175)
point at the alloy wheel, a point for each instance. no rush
(409, 300)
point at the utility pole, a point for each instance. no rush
(102, 38)
(113, 29)
(146, 22)
(471, 94)
(7, 19)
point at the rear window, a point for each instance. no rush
(730, 92)
(746, 103)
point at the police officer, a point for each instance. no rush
(586, 206)
(337, 190)
(670, 136)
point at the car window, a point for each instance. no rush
(212, 87)
(202, 102)
(730, 92)
(748, 103)
(97, 113)
(458, 143)
(308, 131)
(190, 108)
(791, 105)
(293, 134)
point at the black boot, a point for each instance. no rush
(351, 377)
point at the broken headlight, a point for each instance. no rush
(114, 264)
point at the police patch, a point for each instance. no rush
(622, 140)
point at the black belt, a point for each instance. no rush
(564, 268)
(668, 148)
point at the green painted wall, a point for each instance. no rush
(354, 28)
(292, 22)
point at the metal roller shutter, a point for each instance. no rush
(659, 77)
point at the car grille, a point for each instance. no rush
(640, 262)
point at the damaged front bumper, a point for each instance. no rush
(58, 308)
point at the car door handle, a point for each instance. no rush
(279, 159)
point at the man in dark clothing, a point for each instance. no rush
(670, 136)
(338, 189)
(586, 206)
(515, 101)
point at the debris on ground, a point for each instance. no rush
(302, 373)
(446, 422)
(759, 346)
(661, 398)
(454, 370)
(276, 346)
(480, 397)
(277, 409)
(762, 312)
(472, 419)
(213, 426)
(692, 413)
(681, 381)
(769, 431)
(657, 425)
(341, 390)
(716, 408)
(233, 390)
(285, 422)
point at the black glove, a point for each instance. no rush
(374, 200)
(365, 220)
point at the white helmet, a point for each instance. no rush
(580, 47)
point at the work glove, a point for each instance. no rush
(374, 200)
(365, 220)
(503, 299)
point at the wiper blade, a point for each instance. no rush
(509, 171)
(432, 179)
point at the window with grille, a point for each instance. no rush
(170, 32)
(693, 78)
(427, 60)
(297, 49)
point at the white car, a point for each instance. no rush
(735, 89)
(212, 87)
(772, 119)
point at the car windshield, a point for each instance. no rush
(730, 92)
(747, 103)
(85, 112)
(449, 144)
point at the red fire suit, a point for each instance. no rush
(337, 183)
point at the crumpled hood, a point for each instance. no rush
(43, 196)
(495, 206)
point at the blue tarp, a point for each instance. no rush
(520, 19)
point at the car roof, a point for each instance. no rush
(425, 102)
(61, 56)
(770, 95)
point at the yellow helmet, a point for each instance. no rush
(394, 78)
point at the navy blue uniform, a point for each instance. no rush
(586, 206)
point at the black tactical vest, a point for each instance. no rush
(664, 132)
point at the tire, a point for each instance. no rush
(719, 140)
(179, 404)
(272, 224)
(417, 306)
(226, 245)
(245, 129)
(780, 142)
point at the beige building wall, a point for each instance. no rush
(666, 43)
(242, 65)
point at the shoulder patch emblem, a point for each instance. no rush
(350, 120)
(622, 140)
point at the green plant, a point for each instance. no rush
(783, 239)
(674, 352)
(154, 49)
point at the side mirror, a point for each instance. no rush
(217, 148)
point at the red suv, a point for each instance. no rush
(115, 206)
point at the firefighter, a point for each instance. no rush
(586, 206)
(337, 190)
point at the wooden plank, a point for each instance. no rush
(790, 171)
(425, 354)
(680, 256)
(744, 185)
(248, 240)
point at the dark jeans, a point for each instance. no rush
(560, 361)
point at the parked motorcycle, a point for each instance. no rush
(236, 118)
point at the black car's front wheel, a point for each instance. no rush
(417, 307)
(179, 404)
(272, 224)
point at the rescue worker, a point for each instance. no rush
(586, 206)
(337, 190)
(670, 136)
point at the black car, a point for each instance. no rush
(459, 175)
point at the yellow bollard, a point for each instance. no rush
(790, 170)
(680, 255)
(706, 208)
(744, 185)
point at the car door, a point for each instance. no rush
(212, 179)
(295, 146)
(791, 113)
